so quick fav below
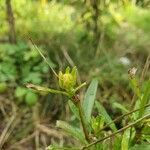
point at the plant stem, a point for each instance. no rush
(137, 91)
(122, 116)
(44, 89)
(113, 134)
(83, 123)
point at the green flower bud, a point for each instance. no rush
(67, 81)
(74, 74)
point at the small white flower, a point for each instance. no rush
(125, 61)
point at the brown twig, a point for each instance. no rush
(6, 130)
(50, 131)
(11, 22)
(22, 141)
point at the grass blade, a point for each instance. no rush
(145, 98)
(125, 140)
(106, 116)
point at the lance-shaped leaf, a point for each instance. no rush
(73, 131)
(89, 99)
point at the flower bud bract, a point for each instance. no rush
(67, 81)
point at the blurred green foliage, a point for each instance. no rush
(102, 45)
(60, 27)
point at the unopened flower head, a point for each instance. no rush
(67, 80)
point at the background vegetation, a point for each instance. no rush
(104, 39)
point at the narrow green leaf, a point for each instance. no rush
(73, 131)
(121, 107)
(125, 140)
(74, 109)
(67, 70)
(141, 147)
(135, 87)
(89, 99)
(117, 142)
(106, 116)
(145, 98)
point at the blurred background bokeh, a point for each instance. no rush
(103, 38)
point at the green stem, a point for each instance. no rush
(83, 121)
(135, 86)
(113, 134)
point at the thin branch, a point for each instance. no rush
(122, 116)
(68, 58)
(11, 22)
(6, 129)
(113, 134)
(44, 58)
(22, 141)
(50, 131)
